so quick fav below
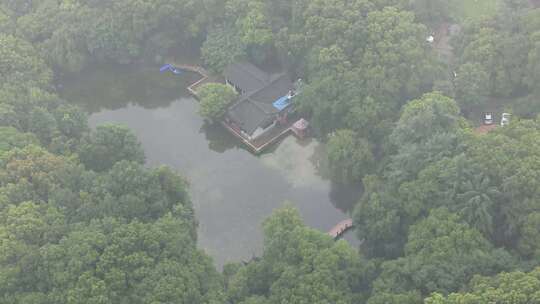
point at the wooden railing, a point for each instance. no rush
(192, 88)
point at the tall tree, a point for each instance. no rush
(109, 261)
(429, 128)
(432, 12)
(512, 287)
(471, 87)
(300, 265)
(215, 99)
(11, 138)
(441, 255)
(21, 67)
(109, 144)
(221, 47)
(478, 202)
(349, 157)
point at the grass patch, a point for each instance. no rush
(474, 9)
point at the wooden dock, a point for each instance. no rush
(206, 77)
(339, 229)
(192, 88)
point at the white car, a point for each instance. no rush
(505, 119)
(488, 118)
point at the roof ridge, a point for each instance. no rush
(259, 105)
(279, 77)
(265, 75)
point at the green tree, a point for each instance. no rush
(533, 66)
(429, 129)
(530, 237)
(25, 230)
(432, 12)
(412, 297)
(221, 48)
(33, 174)
(214, 100)
(71, 36)
(441, 255)
(6, 23)
(11, 138)
(300, 265)
(321, 100)
(424, 117)
(21, 66)
(109, 144)
(362, 65)
(505, 288)
(501, 48)
(510, 160)
(128, 190)
(478, 202)
(471, 87)
(110, 261)
(8, 116)
(71, 120)
(254, 26)
(349, 157)
(43, 124)
(395, 61)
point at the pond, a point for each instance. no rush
(232, 190)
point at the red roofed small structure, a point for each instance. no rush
(300, 128)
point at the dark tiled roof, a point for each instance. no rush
(246, 76)
(267, 108)
(248, 115)
(279, 87)
(255, 107)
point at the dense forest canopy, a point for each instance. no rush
(447, 215)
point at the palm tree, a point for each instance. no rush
(477, 202)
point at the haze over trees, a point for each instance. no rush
(446, 216)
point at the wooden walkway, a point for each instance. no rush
(205, 76)
(254, 145)
(192, 88)
(339, 229)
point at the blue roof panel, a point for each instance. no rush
(282, 103)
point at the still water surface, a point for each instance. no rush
(232, 190)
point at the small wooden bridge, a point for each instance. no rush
(339, 229)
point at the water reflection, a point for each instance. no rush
(115, 86)
(345, 197)
(296, 160)
(219, 140)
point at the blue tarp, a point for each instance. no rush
(169, 67)
(282, 103)
(165, 68)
